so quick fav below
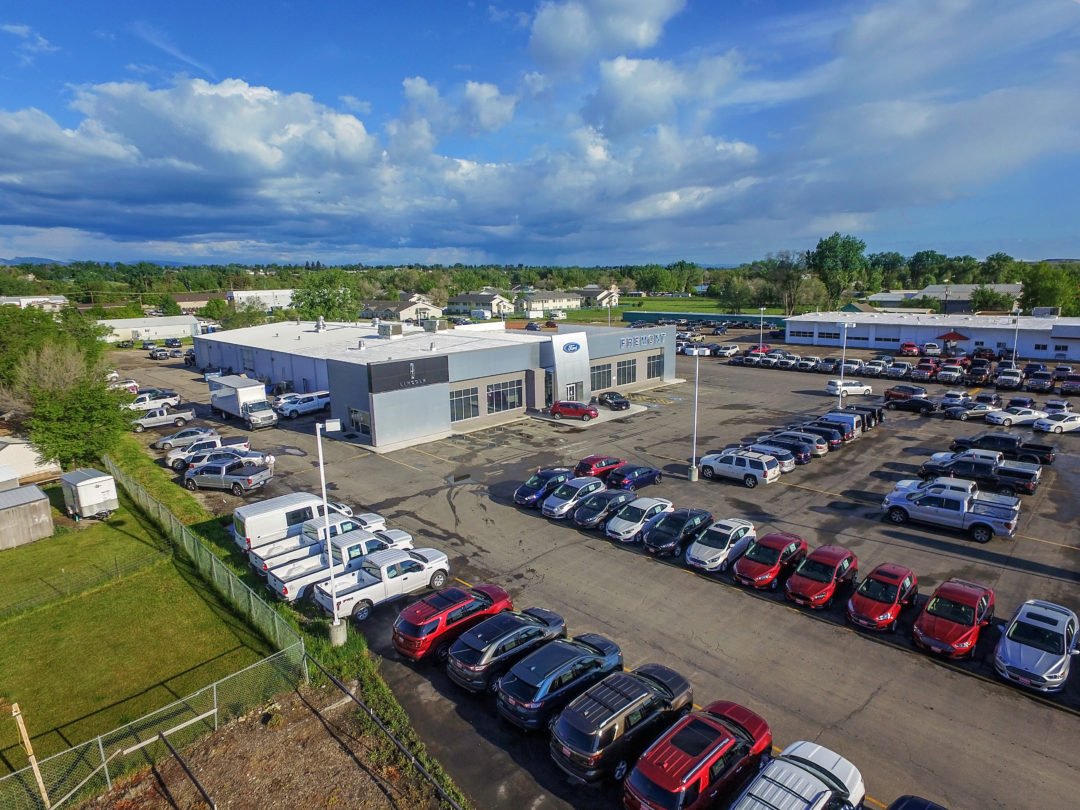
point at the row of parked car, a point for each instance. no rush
(1052, 416)
(603, 723)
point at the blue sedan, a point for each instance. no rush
(632, 477)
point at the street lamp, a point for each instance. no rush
(692, 472)
(761, 327)
(843, 358)
(1016, 335)
(338, 629)
(945, 309)
(609, 313)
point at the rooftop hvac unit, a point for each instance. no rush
(434, 325)
(390, 330)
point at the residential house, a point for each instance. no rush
(492, 303)
(399, 310)
(891, 298)
(593, 295)
(194, 301)
(21, 457)
(49, 303)
(535, 304)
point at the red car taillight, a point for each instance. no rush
(285, 590)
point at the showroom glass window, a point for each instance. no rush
(600, 377)
(464, 404)
(654, 366)
(504, 396)
(627, 372)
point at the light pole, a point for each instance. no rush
(843, 358)
(338, 629)
(609, 313)
(692, 472)
(945, 309)
(761, 327)
(1016, 335)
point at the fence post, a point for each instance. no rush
(104, 762)
(215, 706)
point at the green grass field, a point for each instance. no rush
(697, 305)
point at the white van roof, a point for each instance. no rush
(293, 499)
(796, 780)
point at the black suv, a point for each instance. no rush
(675, 531)
(485, 652)
(604, 731)
(614, 401)
(172, 343)
(594, 510)
(541, 683)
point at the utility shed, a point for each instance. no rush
(25, 516)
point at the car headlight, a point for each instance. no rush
(761, 578)
(884, 617)
(1056, 676)
(961, 645)
(819, 596)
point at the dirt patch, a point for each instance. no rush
(311, 748)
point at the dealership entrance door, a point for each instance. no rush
(573, 391)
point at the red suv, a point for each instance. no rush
(597, 466)
(705, 755)
(952, 618)
(430, 626)
(768, 558)
(908, 349)
(884, 592)
(820, 575)
(904, 392)
(574, 410)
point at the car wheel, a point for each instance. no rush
(442, 652)
(891, 627)
(492, 685)
(1058, 429)
(898, 515)
(1006, 422)
(178, 465)
(620, 771)
(438, 579)
(237, 490)
(963, 417)
(556, 416)
(775, 583)
(139, 428)
(585, 418)
(293, 414)
(749, 481)
(981, 534)
(890, 405)
(707, 471)
(1006, 490)
(361, 611)
(1030, 459)
(167, 446)
(190, 484)
(677, 551)
(659, 478)
(179, 422)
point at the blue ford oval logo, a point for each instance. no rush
(570, 348)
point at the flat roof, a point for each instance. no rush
(957, 321)
(163, 320)
(340, 341)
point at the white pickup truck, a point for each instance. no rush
(178, 457)
(383, 577)
(148, 400)
(293, 581)
(161, 416)
(305, 404)
(310, 541)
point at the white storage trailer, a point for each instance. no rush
(89, 493)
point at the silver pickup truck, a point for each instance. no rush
(981, 515)
(178, 457)
(311, 540)
(236, 476)
(159, 417)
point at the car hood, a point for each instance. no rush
(942, 630)
(752, 568)
(432, 556)
(907, 485)
(527, 492)
(621, 526)
(865, 606)
(707, 554)
(1026, 658)
(806, 587)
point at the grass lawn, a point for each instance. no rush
(96, 661)
(698, 304)
(160, 482)
(78, 556)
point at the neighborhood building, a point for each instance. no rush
(263, 299)
(49, 303)
(535, 304)
(193, 301)
(957, 297)
(493, 304)
(593, 295)
(165, 326)
(401, 310)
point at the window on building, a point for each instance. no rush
(1001, 344)
(858, 337)
(1040, 347)
(886, 340)
(1060, 348)
(654, 366)
(978, 343)
(829, 335)
(626, 372)
(504, 396)
(464, 404)
(600, 377)
(801, 333)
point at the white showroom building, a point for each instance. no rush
(392, 384)
(1037, 338)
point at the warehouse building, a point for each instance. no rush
(1036, 338)
(261, 299)
(166, 326)
(393, 385)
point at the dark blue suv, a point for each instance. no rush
(541, 484)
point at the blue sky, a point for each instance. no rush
(561, 131)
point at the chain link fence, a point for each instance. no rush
(244, 600)
(91, 767)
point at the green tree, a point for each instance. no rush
(168, 306)
(1000, 268)
(787, 275)
(925, 267)
(838, 261)
(216, 309)
(328, 293)
(735, 292)
(1048, 286)
(987, 299)
(60, 394)
(247, 315)
(885, 270)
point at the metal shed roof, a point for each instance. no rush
(19, 497)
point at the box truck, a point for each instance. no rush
(242, 398)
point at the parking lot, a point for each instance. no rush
(910, 723)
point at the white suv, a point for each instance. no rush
(845, 387)
(743, 465)
(805, 776)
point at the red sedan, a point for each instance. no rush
(884, 592)
(950, 622)
(820, 574)
(764, 564)
(430, 626)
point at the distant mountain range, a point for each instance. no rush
(29, 260)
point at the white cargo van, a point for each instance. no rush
(257, 524)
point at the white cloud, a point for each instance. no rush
(485, 108)
(147, 33)
(565, 33)
(354, 104)
(21, 31)
(31, 43)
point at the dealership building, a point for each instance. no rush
(393, 385)
(1047, 338)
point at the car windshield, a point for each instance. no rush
(950, 610)
(575, 738)
(593, 503)
(565, 492)
(407, 628)
(762, 554)
(535, 482)
(1041, 638)
(715, 538)
(651, 792)
(631, 514)
(878, 591)
(813, 569)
